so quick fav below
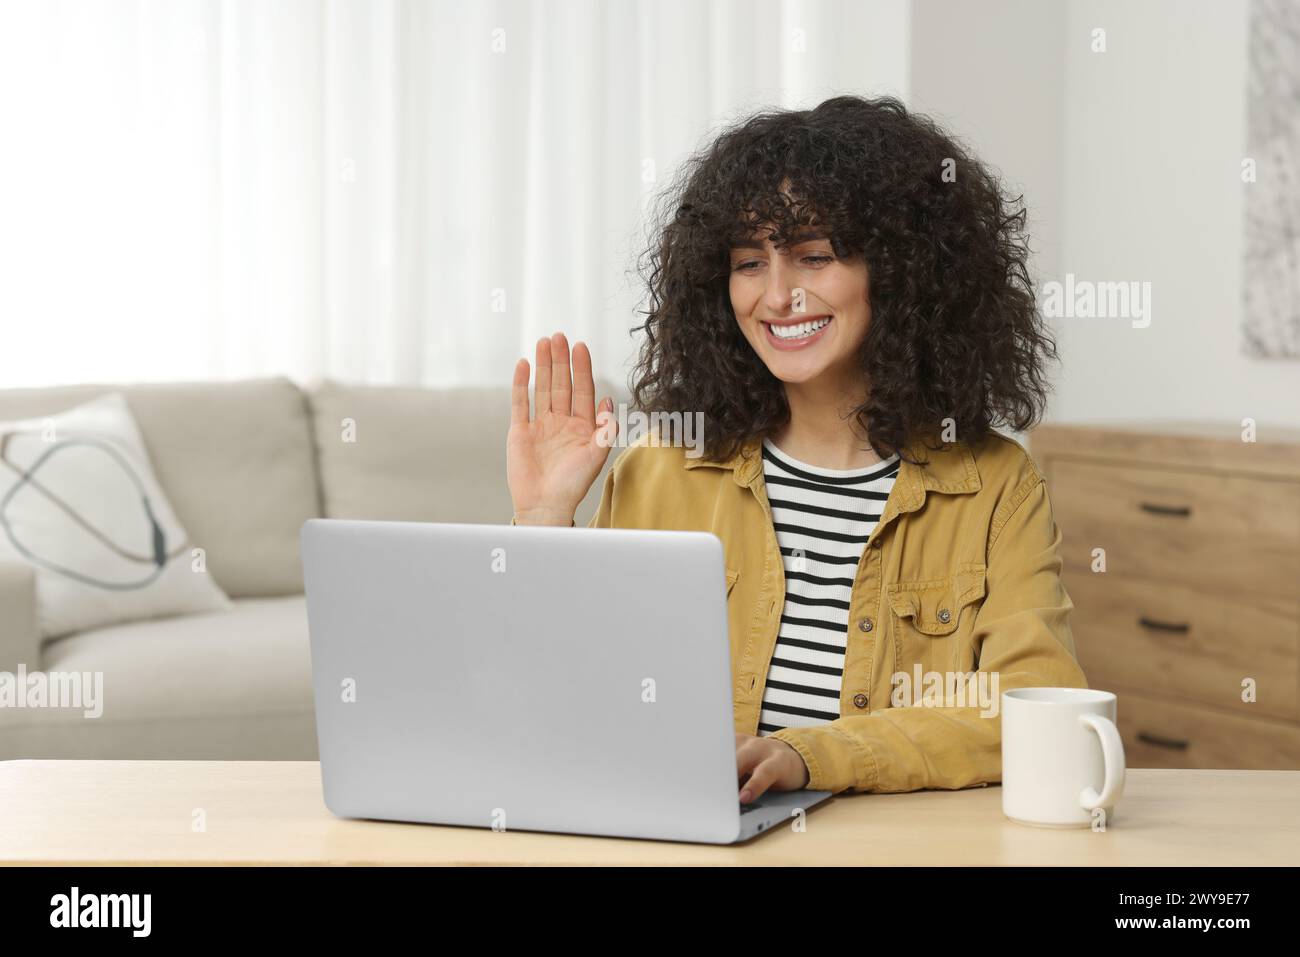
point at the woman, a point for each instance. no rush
(843, 293)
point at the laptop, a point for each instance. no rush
(522, 678)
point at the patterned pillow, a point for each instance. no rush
(80, 503)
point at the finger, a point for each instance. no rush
(749, 754)
(605, 432)
(542, 383)
(561, 383)
(584, 386)
(763, 777)
(519, 394)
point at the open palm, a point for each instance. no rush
(553, 457)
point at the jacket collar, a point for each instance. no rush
(950, 470)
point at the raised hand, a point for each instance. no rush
(553, 458)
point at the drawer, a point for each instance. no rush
(1181, 642)
(1207, 530)
(1159, 734)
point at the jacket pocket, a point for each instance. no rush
(732, 575)
(933, 617)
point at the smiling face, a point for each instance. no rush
(804, 310)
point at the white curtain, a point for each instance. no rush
(387, 192)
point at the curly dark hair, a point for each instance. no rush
(954, 329)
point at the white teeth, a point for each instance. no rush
(798, 331)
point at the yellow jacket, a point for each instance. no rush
(960, 577)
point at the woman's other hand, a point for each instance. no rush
(764, 764)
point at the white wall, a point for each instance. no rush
(1130, 161)
(991, 74)
(1155, 135)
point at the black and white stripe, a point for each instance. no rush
(823, 518)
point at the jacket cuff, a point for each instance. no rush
(836, 761)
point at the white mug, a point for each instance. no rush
(1062, 757)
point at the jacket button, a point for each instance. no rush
(945, 616)
(860, 700)
(865, 624)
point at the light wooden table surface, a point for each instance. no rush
(142, 812)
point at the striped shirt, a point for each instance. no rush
(823, 518)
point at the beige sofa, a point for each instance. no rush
(244, 464)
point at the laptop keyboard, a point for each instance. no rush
(746, 808)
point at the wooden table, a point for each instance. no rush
(143, 812)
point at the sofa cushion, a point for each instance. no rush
(81, 504)
(235, 461)
(20, 638)
(422, 455)
(229, 685)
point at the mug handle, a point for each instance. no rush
(1112, 753)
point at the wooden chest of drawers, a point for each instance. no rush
(1181, 549)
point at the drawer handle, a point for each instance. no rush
(1172, 744)
(1179, 627)
(1179, 510)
